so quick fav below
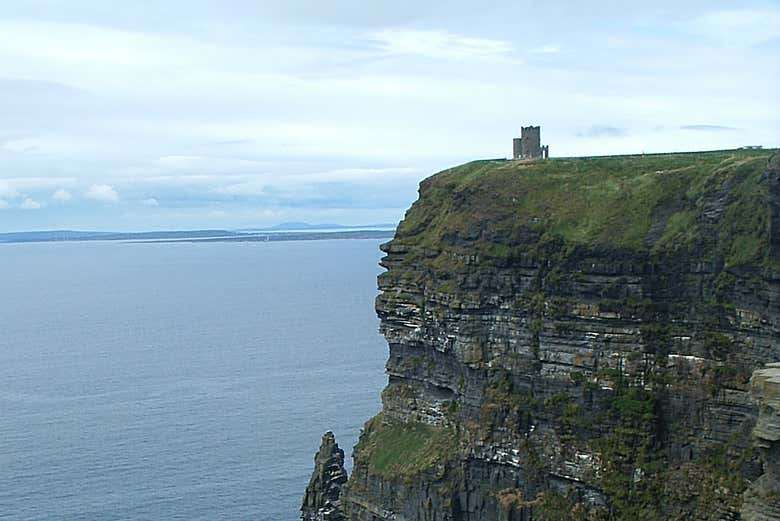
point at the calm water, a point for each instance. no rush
(180, 381)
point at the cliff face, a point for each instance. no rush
(762, 499)
(574, 339)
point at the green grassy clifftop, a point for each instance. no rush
(651, 203)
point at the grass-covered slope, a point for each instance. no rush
(712, 203)
(396, 449)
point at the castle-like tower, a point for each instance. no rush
(528, 145)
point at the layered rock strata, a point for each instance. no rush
(762, 498)
(322, 499)
(574, 339)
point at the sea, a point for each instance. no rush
(193, 381)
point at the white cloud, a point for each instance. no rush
(546, 49)
(16, 186)
(345, 138)
(439, 44)
(256, 185)
(77, 43)
(198, 164)
(7, 189)
(98, 59)
(739, 26)
(197, 114)
(61, 195)
(244, 188)
(20, 146)
(102, 193)
(30, 204)
(59, 145)
(151, 201)
(4, 204)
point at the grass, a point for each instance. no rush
(655, 203)
(395, 449)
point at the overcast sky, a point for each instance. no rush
(173, 114)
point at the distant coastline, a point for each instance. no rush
(282, 232)
(285, 236)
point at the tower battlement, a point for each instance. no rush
(528, 145)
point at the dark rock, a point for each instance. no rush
(322, 500)
(762, 499)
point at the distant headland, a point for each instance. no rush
(281, 232)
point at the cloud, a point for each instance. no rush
(708, 128)
(298, 119)
(306, 183)
(30, 204)
(102, 193)
(61, 195)
(546, 49)
(17, 186)
(7, 189)
(4, 204)
(206, 164)
(151, 201)
(741, 27)
(439, 44)
(231, 142)
(59, 145)
(602, 131)
(83, 43)
(20, 146)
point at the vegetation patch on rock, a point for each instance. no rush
(395, 449)
(652, 203)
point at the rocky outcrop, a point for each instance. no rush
(322, 499)
(574, 339)
(762, 498)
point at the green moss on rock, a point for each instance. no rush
(395, 449)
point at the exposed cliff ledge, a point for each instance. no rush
(574, 339)
(762, 499)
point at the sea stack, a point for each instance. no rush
(321, 501)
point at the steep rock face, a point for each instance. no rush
(762, 499)
(573, 339)
(322, 499)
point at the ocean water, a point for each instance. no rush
(180, 381)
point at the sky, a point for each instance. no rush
(183, 114)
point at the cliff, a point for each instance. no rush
(762, 499)
(574, 339)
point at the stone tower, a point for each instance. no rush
(528, 145)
